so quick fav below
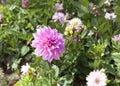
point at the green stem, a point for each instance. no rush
(97, 62)
(50, 74)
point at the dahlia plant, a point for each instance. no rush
(48, 43)
(61, 42)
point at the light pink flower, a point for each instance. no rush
(1, 19)
(25, 3)
(59, 6)
(25, 68)
(110, 16)
(48, 43)
(27, 43)
(116, 38)
(91, 5)
(96, 78)
(75, 39)
(38, 27)
(59, 16)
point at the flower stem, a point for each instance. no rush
(50, 74)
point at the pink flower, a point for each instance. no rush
(25, 3)
(27, 43)
(38, 27)
(59, 6)
(96, 13)
(75, 39)
(1, 19)
(110, 16)
(116, 38)
(91, 5)
(59, 16)
(48, 43)
(96, 78)
(25, 68)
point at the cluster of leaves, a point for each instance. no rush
(92, 52)
(17, 28)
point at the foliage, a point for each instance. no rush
(92, 52)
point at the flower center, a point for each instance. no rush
(51, 43)
(97, 80)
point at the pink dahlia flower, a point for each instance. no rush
(59, 16)
(48, 43)
(25, 3)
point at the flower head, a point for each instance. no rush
(116, 38)
(25, 3)
(0, 18)
(110, 16)
(96, 78)
(96, 13)
(59, 16)
(91, 5)
(48, 43)
(75, 39)
(25, 68)
(59, 6)
(68, 30)
(74, 25)
(75, 22)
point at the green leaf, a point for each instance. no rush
(56, 69)
(80, 6)
(84, 2)
(116, 57)
(17, 83)
(24, 50)
(15, 63)
(12, 7)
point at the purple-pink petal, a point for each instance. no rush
(48, 43)
(25, 3)
(59, 16)
(59, 6)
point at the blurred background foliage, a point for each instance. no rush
(92, 52)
